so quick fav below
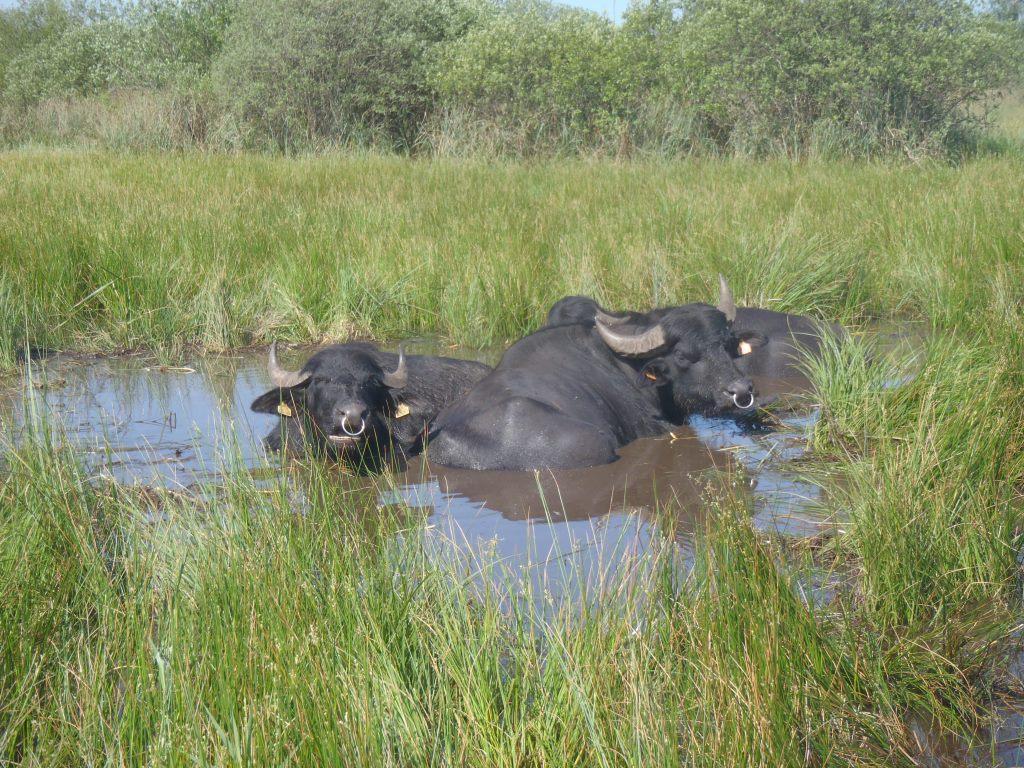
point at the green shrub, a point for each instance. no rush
(80, 59)
(861, 75)
(544, 73)
(183, 37)
(300, 72)
(1008, 10)
(27, 25)
(519, 77)
(54, 49)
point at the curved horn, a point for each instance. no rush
(631, 344)
(399, 377)
(603, 317)
(726, 304)
(282, 377)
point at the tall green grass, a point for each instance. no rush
(142, 629)
(239, 630)
(104, 252)
(930, 449)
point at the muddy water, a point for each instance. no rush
(135, 422)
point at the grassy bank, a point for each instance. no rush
(237, 631)
(105, 252)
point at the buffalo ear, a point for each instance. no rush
(749, 341)
(284, 401)
(655, 373)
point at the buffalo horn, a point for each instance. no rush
(726, 304)
(631, 344)
(399, 377)
(280, 376)
(610, 319)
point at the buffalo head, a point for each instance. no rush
(341, 398)
(689, 351)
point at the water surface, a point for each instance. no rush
(177, 427)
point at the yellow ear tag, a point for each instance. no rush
(745, 348)
(284, 410)
(402, 410)
(650, 376)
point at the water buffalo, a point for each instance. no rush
(357, 402)
(570, 395)
(774, 344)
(770, 345)
(583, 309)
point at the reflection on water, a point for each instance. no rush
(783, 501)
(142, 424)
(566, 533)
(998, 742)
(176, 427)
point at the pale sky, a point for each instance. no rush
(612, 8)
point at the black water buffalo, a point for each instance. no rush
(774, 345)
(357, 402)
(770, 346)
(583, 309)
(570, 395)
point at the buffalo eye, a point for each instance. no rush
(654, 373)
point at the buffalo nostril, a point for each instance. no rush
(740, 387)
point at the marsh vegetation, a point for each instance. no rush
(236, 629)
(832, 78)
(284, 612)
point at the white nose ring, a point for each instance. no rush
(349, 432)
(736, 402)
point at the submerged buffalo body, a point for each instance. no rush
(778, 343)
(357, 402)
(570, 395)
